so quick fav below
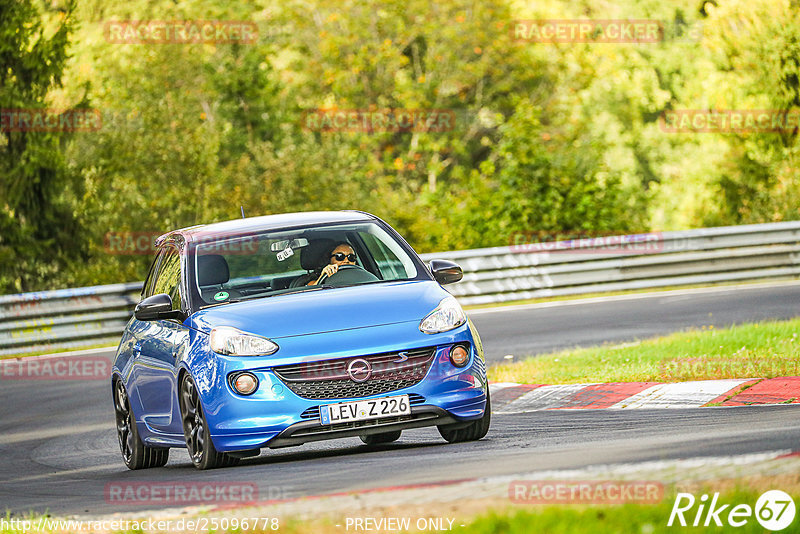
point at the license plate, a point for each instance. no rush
(331, 414)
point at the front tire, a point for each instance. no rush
(195, 430)
(135, 454)
(474, 431)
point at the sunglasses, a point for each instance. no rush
(340, 256)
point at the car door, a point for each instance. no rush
(158, 347)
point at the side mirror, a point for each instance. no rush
(446, 272)
(157, 307)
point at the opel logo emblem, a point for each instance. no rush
(359, 370)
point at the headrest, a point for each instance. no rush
(311, 257)
(212, 269)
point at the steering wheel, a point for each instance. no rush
(341, 268)
(349, 274)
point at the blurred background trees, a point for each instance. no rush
(37, 225)
(548, 137)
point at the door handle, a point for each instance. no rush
(137, 349)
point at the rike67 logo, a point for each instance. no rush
(774, 511)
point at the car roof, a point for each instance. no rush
(252, 225)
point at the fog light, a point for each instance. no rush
(459, 356)
(245, 383)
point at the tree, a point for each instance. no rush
(757, 50)
(37, 229)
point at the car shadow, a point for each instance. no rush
(282, 456)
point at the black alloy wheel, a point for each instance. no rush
(135, 454)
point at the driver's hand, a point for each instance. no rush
(328, 270)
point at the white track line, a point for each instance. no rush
(679, 395)
(494, 387)
(542, 398)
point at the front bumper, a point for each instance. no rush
(275, 416)
(307, 431)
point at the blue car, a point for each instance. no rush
(285, 329)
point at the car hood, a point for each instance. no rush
(326, 310)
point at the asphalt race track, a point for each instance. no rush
(58, 447)
(541, 328)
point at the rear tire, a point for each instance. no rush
(474, 431)
(135, 454)
(195, 430)
(377, 439)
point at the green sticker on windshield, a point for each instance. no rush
(222, 295)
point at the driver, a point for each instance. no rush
(341, 254)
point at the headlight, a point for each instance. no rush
(447, 315)
(233, 342)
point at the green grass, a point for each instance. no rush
(522, 518)
(761, 350)
(623, 519)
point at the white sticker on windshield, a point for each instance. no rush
(285, 253)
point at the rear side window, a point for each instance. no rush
(168, 277)
(147, 289)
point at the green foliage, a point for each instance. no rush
(36, 225)
(756, 48)
(547, 137)
(627, 518)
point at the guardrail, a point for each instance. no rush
(97, 315)
(704, 256)
(65, 318)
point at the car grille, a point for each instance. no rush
(328, 379)
(313, 412)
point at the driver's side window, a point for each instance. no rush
(389, 266)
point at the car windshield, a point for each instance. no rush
(231, 269)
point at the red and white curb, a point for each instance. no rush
(520, 398)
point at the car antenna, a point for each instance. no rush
(242, 207)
